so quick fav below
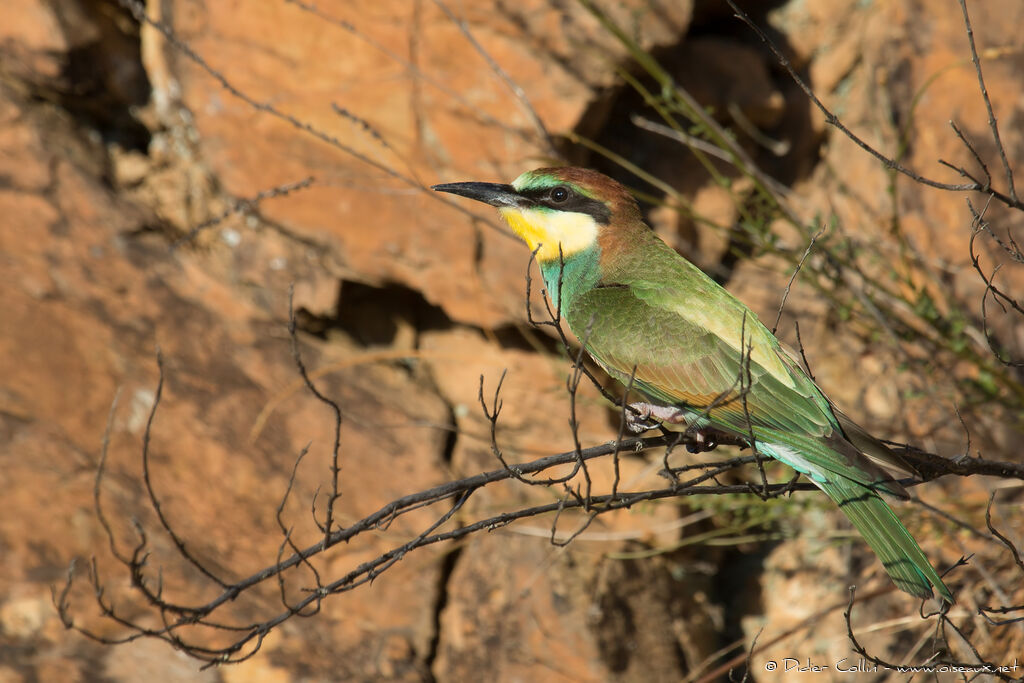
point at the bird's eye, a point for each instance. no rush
(559, 194)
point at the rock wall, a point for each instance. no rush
(131, 173)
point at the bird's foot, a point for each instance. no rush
(643, 416)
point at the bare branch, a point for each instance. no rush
(245, 205)
(154, 500)
(1010, 200)
(988, 107)
(335, 492)
(796, 271)
(515, 88)
(1003, 539)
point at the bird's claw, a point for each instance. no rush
(638, 418)
(641, 416)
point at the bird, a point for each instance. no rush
(696, 354)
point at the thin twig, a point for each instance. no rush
(244, 205)
(993, 125)
(796, 271)
(335, 493)
(833, 120)
(514, 87)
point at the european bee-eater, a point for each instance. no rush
(696, 354)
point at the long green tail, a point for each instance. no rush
(900, 554)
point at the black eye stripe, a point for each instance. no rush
(575, 202)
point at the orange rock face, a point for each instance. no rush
(293, 144)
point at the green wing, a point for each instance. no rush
(679, 360)
(691, 344)
(687, 351)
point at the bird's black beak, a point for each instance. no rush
(494, 194)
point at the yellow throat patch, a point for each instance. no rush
(549, 229)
